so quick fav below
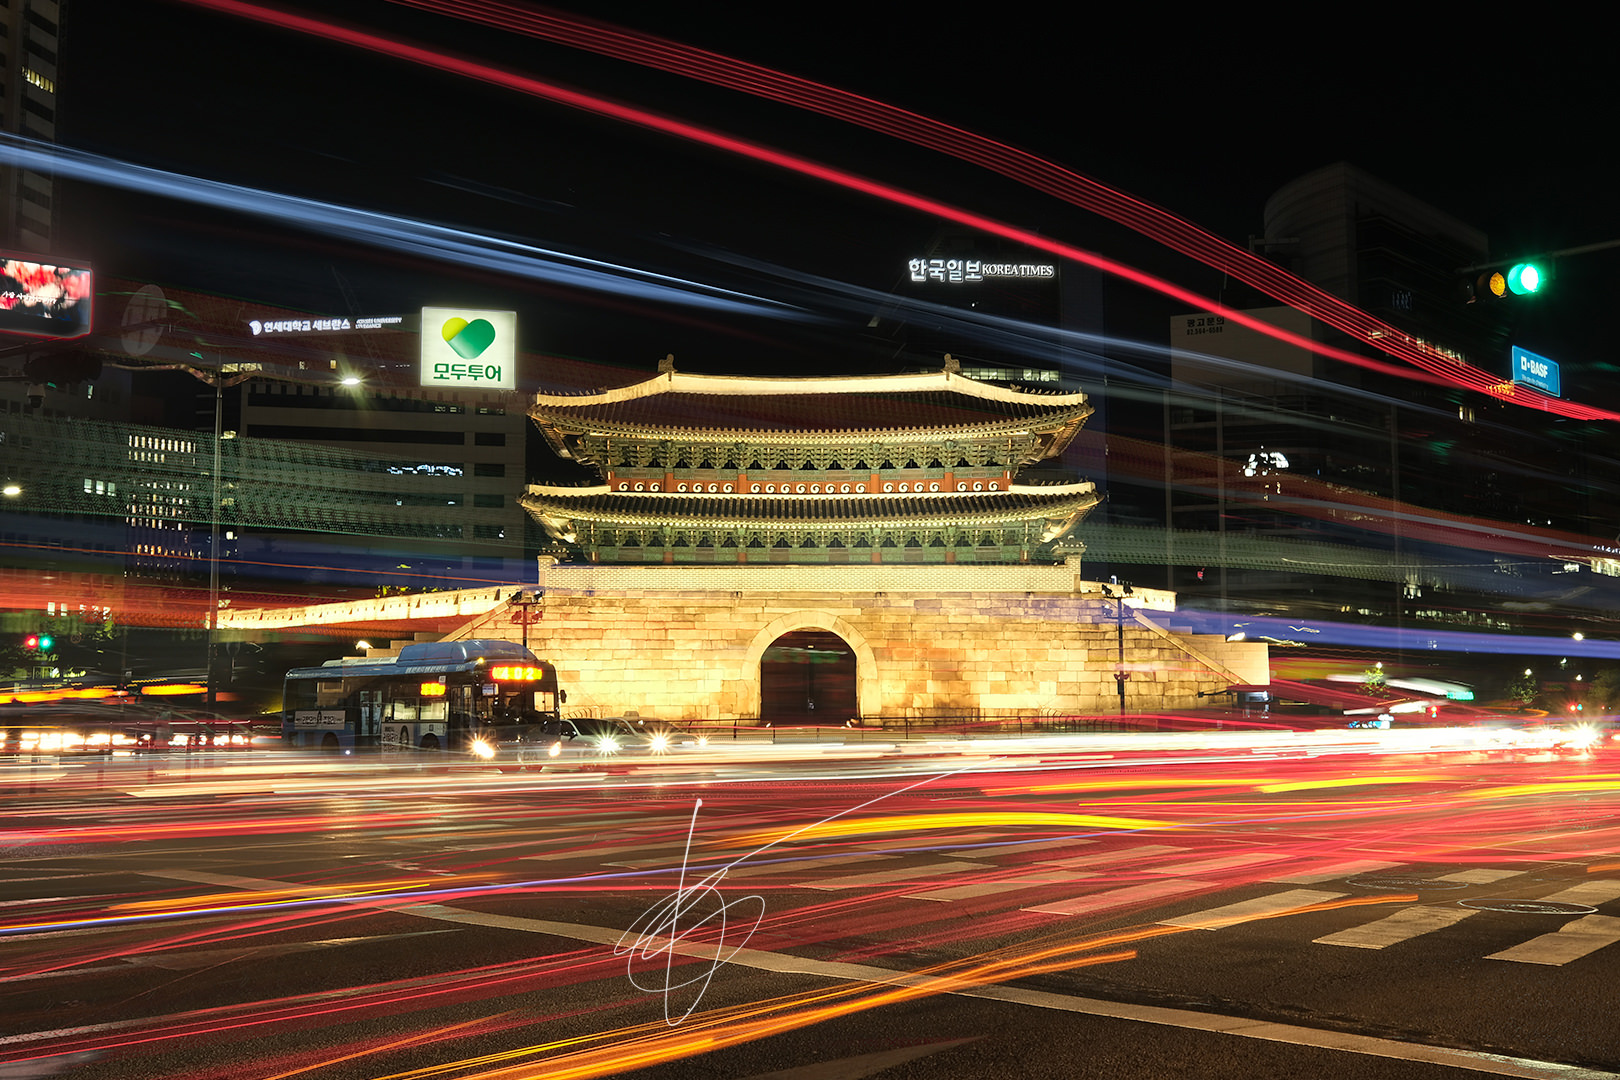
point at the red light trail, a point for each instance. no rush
(1435, 367)
(1145, 218)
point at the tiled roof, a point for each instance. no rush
(655, 510)
(936, 412)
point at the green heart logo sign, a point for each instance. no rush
(468, 339)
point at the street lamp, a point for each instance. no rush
(1117, 593)
(527, 600)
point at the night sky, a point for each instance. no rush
(1204, 119)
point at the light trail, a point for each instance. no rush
(805, 167)
(1151, 221)
(459, 246)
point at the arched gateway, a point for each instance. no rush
(807, 677)
(811, 658)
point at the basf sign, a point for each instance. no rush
(467, 348)
(43, 299)
(1536, 371)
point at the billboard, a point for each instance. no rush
(43, 299)
(1536, 371)
(468, 348)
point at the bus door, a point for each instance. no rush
(371, 712)
(463, 714)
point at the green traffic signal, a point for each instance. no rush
(1524, 278)
(45, 642)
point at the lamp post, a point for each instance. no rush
(526, 601)
(1118, 592)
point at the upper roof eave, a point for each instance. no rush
(744, 385)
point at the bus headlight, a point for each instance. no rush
(660, 743)
(482, 749)
(608, 745)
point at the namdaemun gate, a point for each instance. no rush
(823, 550)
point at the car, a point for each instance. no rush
(590, 740)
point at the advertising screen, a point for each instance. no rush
(44, 300)
(463, 348)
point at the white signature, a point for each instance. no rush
(662, 928)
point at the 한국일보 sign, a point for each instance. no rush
(44, 299)
(468, 348)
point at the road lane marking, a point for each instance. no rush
(1569, 942)
(1399, 927)
(1245, 910)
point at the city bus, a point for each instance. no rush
(463, 696)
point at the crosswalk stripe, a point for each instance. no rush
(1587, 892)
(1339, 870)
(1092, 903)
(798, 866)
(1569, 942)
(1033, 845)
(1244, 910)
(1118, 855)
(1401, 926)
(1480, 877)
(991, 888)
(1207, 866)
(884, 877)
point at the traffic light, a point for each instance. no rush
(1519, 279)
(46, 642)
(39, 643)
(31, 642)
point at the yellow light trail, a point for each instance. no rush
(958, 820)
(1550, 787)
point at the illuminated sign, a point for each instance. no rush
(963, 271)
(1536, 371)
(44, 300)
(462, 347)
(515, 673)
(322, 326)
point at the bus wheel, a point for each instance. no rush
(430, 743)
(330, 743)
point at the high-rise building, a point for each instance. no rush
(30, 39)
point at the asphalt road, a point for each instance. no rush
(1044, 910)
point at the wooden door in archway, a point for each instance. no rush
(808, 677)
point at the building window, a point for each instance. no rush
(489, 502)
(489, 438)
(489, 468)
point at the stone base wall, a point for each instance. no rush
(695, 654)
